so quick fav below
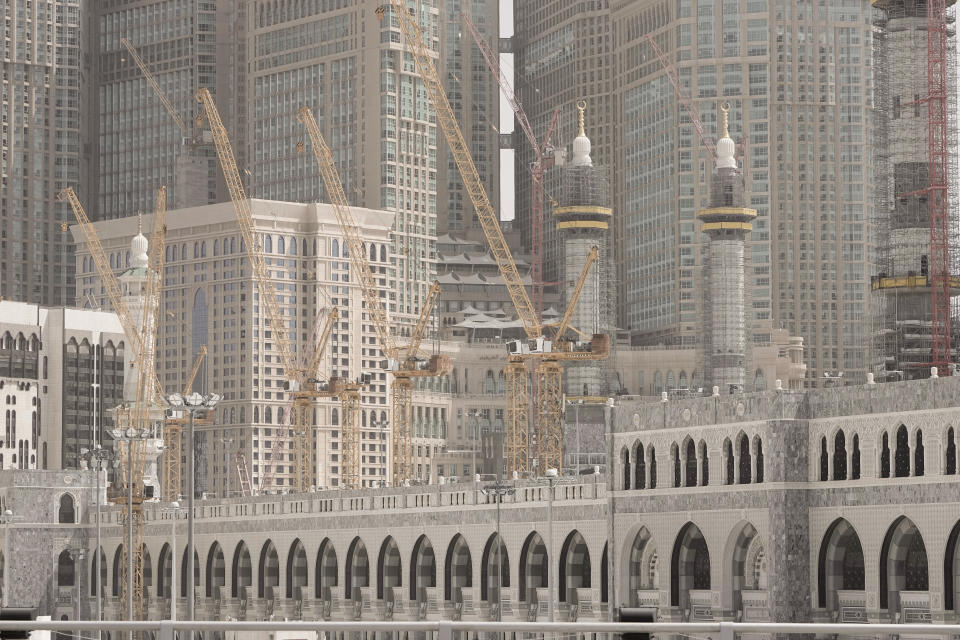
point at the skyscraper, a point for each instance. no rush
(44, 145)
(186, 44)
(346, 61)
(799, 77)
(563, 54)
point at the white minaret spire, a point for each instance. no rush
(725, 146)
(581, 144)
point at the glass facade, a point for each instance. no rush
(43, 145)
(798, 78)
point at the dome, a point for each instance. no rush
(581, 144)
(725, 146)
(138, 250)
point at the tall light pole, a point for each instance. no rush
(131, 435)
(376, 423)
(577, 414)
(7, 518)
(474, 414)
(498, 490)
(98, 455)
(192, 403)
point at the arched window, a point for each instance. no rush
(256, 415)
(66, 571)
(334, 248)
(657, 383)
(66, 513)
(625, 465)
(335, 417)
(675, 456)
(216, 247)
(373, 252)
(383, 253)
(824, 460)
(758, 454)
(203, 249)
(281, 245)
(268, 415)
(704, 465)
(885, 456)
(268, 243)
(280, 416)
(292, 243)
(745, 459)
(855, 459)
(729, 460)
(951, 462)
(691, 463)
(839, 456)
(918, 454)
(653, 467)
(196, 250)
(640, 471)
(902, 455)
(489, 383)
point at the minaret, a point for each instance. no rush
(133, 283)
(726, 223)
(583, 220)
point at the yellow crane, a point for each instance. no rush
(173, 438)
(156, 87)
(404, 364)
(139, 416)
(549, 372)
(298, 376)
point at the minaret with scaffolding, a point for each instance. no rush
(583, 218)
(726, 222)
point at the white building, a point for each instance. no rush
(61, 371)
(210, 298)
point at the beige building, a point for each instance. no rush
(210, 299)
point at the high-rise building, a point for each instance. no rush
(44, 144)
(347, 61)
(907, 260)
(563, 53)
(474, 95)
(210, 298)
(186, 44)
(800, 81)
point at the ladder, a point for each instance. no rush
(242, 473)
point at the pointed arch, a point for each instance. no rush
(268, 572)
(728, 461)
(183, 573)
(216, 572)
(744, 542)
(918, 459)
(241, 573)
(358, 568)
(690, 462)
(903, 562)
(534, 567)
(951, 569)
(327, 569)
(117, 571)
(643, 563)
(575, 568)
(640, 466)
(625, 465)
(746, 460)
(840, 565)
(66, 569)
(950, 462)
(704, 464)
(99, 561)
(494, 568)
(423, 567)
(66, 514)
(689, 566)
(457, 568)
(885, 455)
(389, 568)
(901, 458)
(824, 460)
(297, 570)
(164, 571)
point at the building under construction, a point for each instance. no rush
(916, 213)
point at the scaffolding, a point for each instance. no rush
(915, 225)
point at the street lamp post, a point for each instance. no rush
(130, 435)
(498, 490)
(7, 518)
(192, 404)
(475, 423)
(226, 442)
(98, 454)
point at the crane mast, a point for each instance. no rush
(156, 87)
(549, 373)
(173, 439)
(403, 364)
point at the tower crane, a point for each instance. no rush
(403, 364)
(302, 383)
(156, 87)
(543, 160)
(173, 438)
(538, 345)
(149, 393)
